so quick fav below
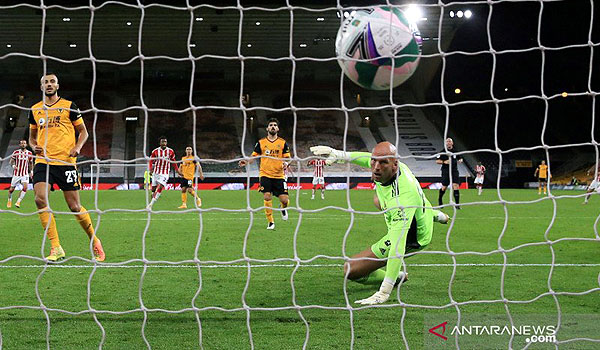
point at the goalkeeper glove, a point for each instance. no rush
(332, 155)
(380, 297)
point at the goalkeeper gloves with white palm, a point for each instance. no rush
(380, 297)
(333, 155)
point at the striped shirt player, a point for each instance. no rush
(22, 163)
(479, 175)
(595, 185)
(161, 159)
(318, 177)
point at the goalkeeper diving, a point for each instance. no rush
(408, 216)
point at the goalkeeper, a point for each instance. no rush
(408, 216)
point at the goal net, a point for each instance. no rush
(512, 82)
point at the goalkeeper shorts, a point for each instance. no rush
(381, 248)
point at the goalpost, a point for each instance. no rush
(401, 302)
(128, 172)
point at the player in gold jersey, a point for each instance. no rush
(188, 168)
(52, 125)
(272, 177)
(542, 174)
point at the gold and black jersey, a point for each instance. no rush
(188, 167)
(270, 167)
(543, 171)
(56, 130)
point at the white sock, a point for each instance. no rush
(10, 196)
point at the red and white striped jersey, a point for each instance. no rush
(480, 169)
(160, 162)
(21, 159)
(318, 164)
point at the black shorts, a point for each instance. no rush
(542, 179)
(446, 178)
(275, 186)
(65, 176)
(186, 183)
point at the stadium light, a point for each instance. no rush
(564, 94)
(346, 14)
(320, 19)
(72, 45)
(129, 45)
(199, 19)
(257, 23)
(459, 14)
(413, 13)
(457, 91)
(249, 45)
(192, 45)
(8, 45)
(128, 23)
(303, 45)
(468, 14)
(505, 89)
(66, 19)
(452, 14)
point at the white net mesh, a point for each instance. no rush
(148, 107)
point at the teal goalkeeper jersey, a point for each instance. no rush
(401, 200)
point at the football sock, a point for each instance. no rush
(10, 196)
(46, 217)
(441, 197)
(22, 195)
(457, 196)
(268, 210)
(157, 192)
(86, 223)
(184, 198)
(374, 278)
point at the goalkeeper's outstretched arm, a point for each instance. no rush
(333, 155)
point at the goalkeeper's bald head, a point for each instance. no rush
(384, 164)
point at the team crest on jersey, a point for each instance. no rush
(42, 121)
(60, 110)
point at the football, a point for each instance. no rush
(378, 48)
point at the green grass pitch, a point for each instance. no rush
(223, 293)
